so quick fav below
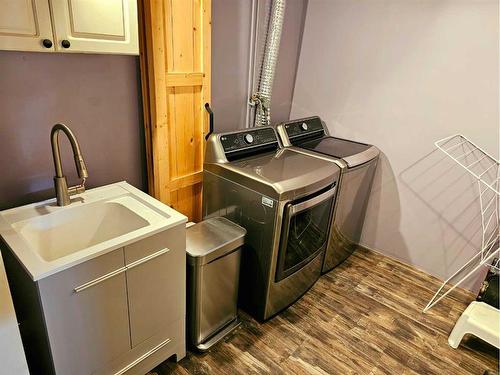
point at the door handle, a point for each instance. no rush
(147, 258)
(120, 270)
(142, 357)
(99, 280)
(296, 208)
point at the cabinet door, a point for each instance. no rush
(24, 24)
(156, 281)
(86, 314)
(96, 26)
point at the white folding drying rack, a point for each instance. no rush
(485, 169)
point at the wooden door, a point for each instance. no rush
(96, 26)
(175, 65)
(24, 24)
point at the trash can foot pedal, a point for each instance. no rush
(203, 347)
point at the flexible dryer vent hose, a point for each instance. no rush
(262, 98)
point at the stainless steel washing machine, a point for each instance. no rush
(358, 162)
(284, 199)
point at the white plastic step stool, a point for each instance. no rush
(478, 319)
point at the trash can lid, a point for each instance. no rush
(212, 239)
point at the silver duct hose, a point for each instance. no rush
(262, 98)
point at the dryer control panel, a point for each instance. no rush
(310, 127)
(249, 141)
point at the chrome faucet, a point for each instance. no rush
(61, 186)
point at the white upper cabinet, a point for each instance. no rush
(25, 25)
(108, 26)
(89, 26)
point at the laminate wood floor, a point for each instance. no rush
(364, 317)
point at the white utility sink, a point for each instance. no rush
(64, 232)
(47, 238)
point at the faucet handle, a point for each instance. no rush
(77, 189)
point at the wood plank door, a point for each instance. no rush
(175, 67)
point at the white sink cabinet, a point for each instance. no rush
(114, 303)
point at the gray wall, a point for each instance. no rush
(231, 27)
(288, 60)
(98, 96)
(231, 23)
(401, 75)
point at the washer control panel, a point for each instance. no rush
(304, 127)
(252, 138)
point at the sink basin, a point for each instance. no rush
(47, 238)
(61, 233)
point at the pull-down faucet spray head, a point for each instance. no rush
(62, 191)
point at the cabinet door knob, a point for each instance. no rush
(47, 43)
(65, 43)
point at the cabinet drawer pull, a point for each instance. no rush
(147, 258)
(142, 357)
(120, 270)
(100, 279)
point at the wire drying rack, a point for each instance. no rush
(485, 169)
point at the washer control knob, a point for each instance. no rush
(248, 138)
(303, 126)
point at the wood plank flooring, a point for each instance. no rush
(364, 317)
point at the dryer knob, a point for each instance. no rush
(303, 126)
(248, 138)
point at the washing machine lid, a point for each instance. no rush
(311, 133)
(284, 174)
(353, 153)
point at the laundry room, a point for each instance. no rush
(249, 187)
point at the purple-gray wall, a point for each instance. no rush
(231, 29)
(288, 59)
(97, 96)
(401, 75)
(231, 22)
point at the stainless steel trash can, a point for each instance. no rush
(213, 259)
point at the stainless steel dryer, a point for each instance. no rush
(358, 162)
(284, 199)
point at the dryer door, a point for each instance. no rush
(304, 232)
